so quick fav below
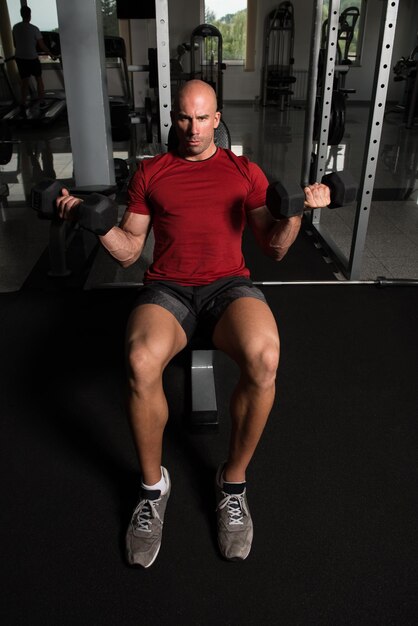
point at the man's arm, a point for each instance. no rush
(124, 242)
(276, 236)
(42, 45)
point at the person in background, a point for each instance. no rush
(28, 40)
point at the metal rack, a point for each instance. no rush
(277, 74)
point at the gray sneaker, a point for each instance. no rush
(235, 526)
(143, 537)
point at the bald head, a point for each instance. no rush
(195, 89)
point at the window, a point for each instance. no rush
(351, 29)
(110, 20)
(230, 18)
(44, 13)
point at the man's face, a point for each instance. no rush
(195, 121)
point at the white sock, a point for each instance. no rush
(160, 486)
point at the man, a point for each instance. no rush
(198, 200)
(27, 39)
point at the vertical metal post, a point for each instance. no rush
(312, 89)
(163, 60)
(57, 249)
(380, 87)
(326, 95)
(83, 60)
(8, 46)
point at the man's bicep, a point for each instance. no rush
(137, 224)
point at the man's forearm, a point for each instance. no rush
(123, 247)
(282, 235)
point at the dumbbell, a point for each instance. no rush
(287, 199)
(97, 213)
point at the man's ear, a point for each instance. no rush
(217, 119)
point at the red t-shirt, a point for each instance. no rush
(198, 211)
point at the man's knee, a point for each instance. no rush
(261, 362)
(144, 365)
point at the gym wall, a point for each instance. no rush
(242, 85)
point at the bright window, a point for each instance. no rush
(44, 13)
(230, 18)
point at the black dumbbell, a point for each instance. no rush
(97, 213)
(287, 199)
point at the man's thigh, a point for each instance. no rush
(155, 330)
(35, 68)
(23, 68)
(161, 321)
(247, 326)
(174, 299)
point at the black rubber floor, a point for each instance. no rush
(305, 260)
(333, 486)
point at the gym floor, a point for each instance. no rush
(333, 487)
(272, 138)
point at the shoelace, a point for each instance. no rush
(235, 508)
(145, 512)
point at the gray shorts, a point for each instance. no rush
(198, 308)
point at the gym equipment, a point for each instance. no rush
(206, 43)
(287, 199)
(347, 22)
(121, 104)
(350, 266)
(54, 97)
(149, 116)
(97, 213)
(8, 100)
(159, 77)
(6, 153)
(6, 143)
(178, 75)
(337, 119)
(346, 25)
(406, 69)
(278, 61)
(52, 41)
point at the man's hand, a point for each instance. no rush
(67, 205)
(317, 196)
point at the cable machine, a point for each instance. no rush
(277, 76)
(346, 25)
(206, 45)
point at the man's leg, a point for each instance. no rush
(40, 87)
(154, 336)
(24, 88)
(247, 332)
